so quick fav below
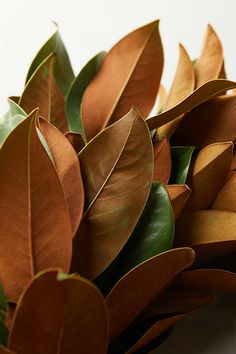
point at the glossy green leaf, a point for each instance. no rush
(76, 91)
(3, 304)
(10, 120)
(153, 234)
(181, 158)
(3, 334)
(63, 71)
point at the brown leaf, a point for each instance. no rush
(6, 351)
(139, 287)
(211, 233)
(162, 96)
(34, 221)
(76, 140)
(177, 302)
(68, 168)
(154, 331)
(182, 86)
(210, 63)
(200, 95)
(117, 171)
(208, 175)
(208, 279)
(178, 194)
(226, 198)
(208, 123)
(129, 76)
(42, 92)
(162, 161)
(69, 317)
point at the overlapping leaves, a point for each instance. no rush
(86, 188)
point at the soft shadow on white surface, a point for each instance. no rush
(210, 331)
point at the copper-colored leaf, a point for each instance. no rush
(182, 86)
(5, 351)
(154, 331)
(76, 141)
(129, 76)
(184, 80)
(233, 165)
(178, 194)
(177, 302)
(210, 63)
(42, 92)
(162, 161)
(200, 95)
(68, 168)
(211, 233)
(117, 171)
(209, 174)
(141, 285)
(212, 121)
(69, 317)
(162, 96)
(208, 279)
(34, 221)
(226, 198)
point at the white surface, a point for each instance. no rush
(88, 26)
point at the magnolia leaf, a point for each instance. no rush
(162, 96)
(63, 72)
(208, 123)
(4, 333)
(178, 194)
(129, 76)
(11, 119)
(177, 302)
(113, 204)
(3, 304)
(137, 288)
(180, 158)
(153, 234)
(200, 95)
(208, 175)
(211, 233)
(68, 168)
(162, 161)
(76, 91)
(39, 219)
(155, 331)
(209, 64)
(182, 86)
(208, 279)
(5, 351)
(226, 198)
(42, 92)
(76, 141)
(69, 316)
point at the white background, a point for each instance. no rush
(90, 26)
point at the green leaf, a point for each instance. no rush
(76, 91)
(181, 158)
(3, 334)
(62, 71)
(11, 119)
(3, 304)
(153, 235)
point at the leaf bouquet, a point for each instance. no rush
(115, 222)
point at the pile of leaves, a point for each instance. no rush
(117, 219)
